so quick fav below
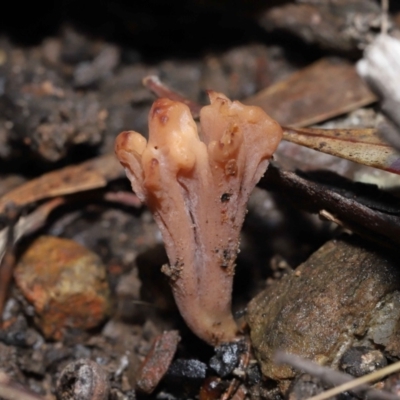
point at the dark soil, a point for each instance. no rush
(70, 81)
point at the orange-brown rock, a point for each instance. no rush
(66, 283)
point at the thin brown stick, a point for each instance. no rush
(154, 84)
(332, 377)
(8, 261)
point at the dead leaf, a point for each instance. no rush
(362, 146)
(325, 89)
(92, 174)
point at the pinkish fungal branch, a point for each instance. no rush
(197, 189)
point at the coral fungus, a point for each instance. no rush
(197, 189)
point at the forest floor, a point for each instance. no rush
(82, 295)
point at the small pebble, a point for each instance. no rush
(16, 332)
(66, 283)
(303, 387)
(185, 377)
(157, 361)
(254, 374)
(226, 358)
(361, 360)
(83, 380)
(187, 370)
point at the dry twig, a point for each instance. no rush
(8, 261)
(346, 382)
(154, 84)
